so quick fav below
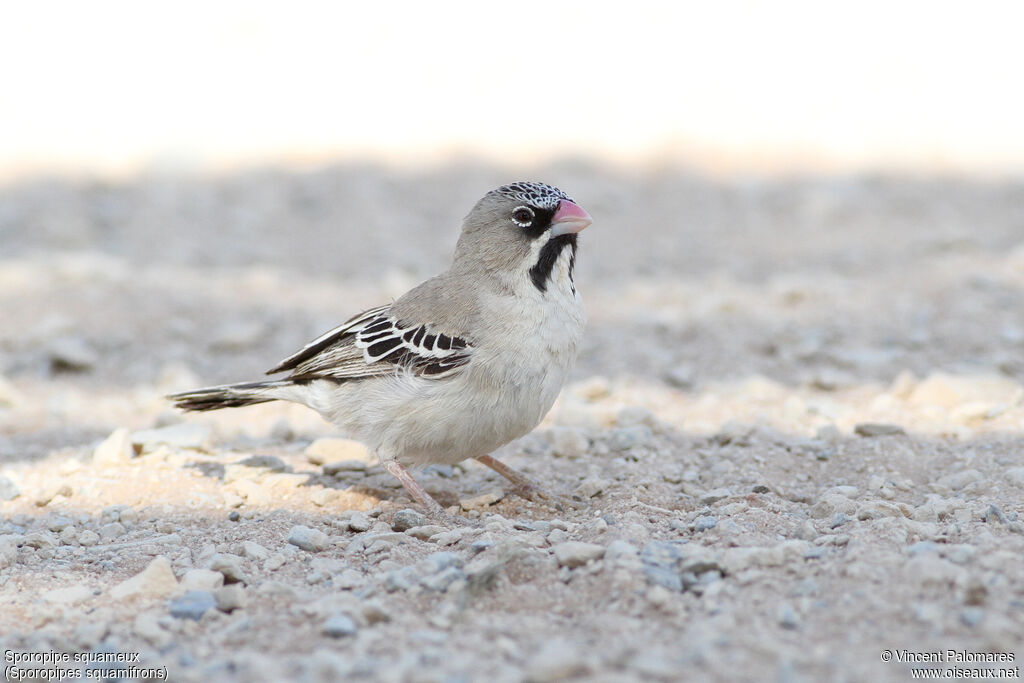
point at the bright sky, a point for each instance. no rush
(115, 85)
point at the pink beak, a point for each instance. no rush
(569, 217)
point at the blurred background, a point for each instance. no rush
(810, 192)
(119, 87)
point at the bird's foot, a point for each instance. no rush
(418, 493)
(529, 489)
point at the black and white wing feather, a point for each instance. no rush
(376, 343)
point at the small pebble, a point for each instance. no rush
(340, 626)
(576, 553)
(407, 519)
(193, 605)
(869, 429)
(704, 523)
(311, 540)
(230, 598)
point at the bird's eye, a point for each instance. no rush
(522, 216)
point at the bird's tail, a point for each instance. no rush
(228, 395)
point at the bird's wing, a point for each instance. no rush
(376, 343)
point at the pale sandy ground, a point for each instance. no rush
(739, 332)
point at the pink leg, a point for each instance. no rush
(526, 486)
(414, 489)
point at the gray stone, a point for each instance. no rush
(443, 579)
(311, 540)
(838, 520)
(193, 605)
(1014, 475)
(436, 562)
(88, 538)
(268, 462)
(704, 523)
(787, 616)
(108, 532)
(961, 479)
(374, 612)
(681, 377)
(58, 523)
(426, 532)
(41, 539)
(340, 626)
(625, 438)
(408, 519)
(576, 553)
(230, 566)
(712, 497)
(870, 429)
(482, 500)
(254, 551)
(230, 598)
(591, 487)
(401, 579)
(666, 577)
(360, 521)
(620, 551)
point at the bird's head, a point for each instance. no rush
(515, 227)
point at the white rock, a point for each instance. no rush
(568, 442)
(878, 509)
(948, 391)
(201, 580)
(157, 580)
(577, 553)
(116, 449)
(832, 503)
(253, 492)
(480, 501)
(9, 395)
(88, 538)
(311, 540)
(230, 598)
(360, 521)
(330, 450)
(254, 551)
(68, 596)
(230, 566)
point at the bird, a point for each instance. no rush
(461, 364)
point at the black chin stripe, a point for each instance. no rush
(540, 273)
